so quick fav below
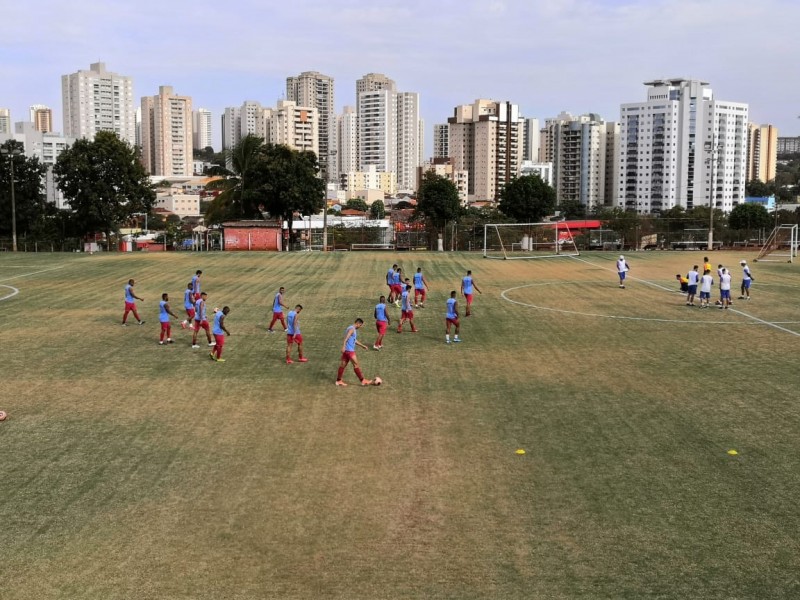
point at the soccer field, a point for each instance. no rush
(133, 470)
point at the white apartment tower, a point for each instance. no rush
(347, 140)
(98, 100)
(291, 125)
(441, 141)
(5, 121)
(409, 140)
(485, 141)
(530, 150)
(167, 133)
(681, 147)
(315, 90)
(201, 129)
(231, 124)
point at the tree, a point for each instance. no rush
(29, 198)
(528, 199)
(755, 188)
(357, 204)
(104, 182)
(749, 216)
(437, 199)
(572, 209)
(377, 210)
(238, 199)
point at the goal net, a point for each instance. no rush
(781, 245)
(528, 240)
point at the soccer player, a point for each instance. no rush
(201, 321)
(407, 312)
(277, 310)
(188, 305)
(381, 322)
(684, 282)
(706, 282)
(163, 316)
(293, 335)
(196, 285)
(706, 265)
(694, 278)
(622, 269)
(397, 285)
(420, 287)
(349, 353)
(725, 289)
(219, 331)
(467, 286)
(130, 304)
(451, 318)
(390, 282)
(747, 279)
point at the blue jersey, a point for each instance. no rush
(451, 308)
(380, 312)
(350, 345)
(196, 284)
(406, 305)
(129, 293)
(396, 278)
(418, 281)
(217, 328)
(188, 299)
(200, 310)
(276, 304)
(467, 284)
(163, 315)
(390, 276)
(292, 325)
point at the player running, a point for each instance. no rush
(277, 310)
(390, 282)
(130, 304)
(397, 285)
(293, 335)
(201, 321)
(163, 316)
(451, 317)
(381, 322)
(196, 285)
(467, 287)
(420, 287)
(407, 310)
(349, 353)
(219, 330)
(188, 305)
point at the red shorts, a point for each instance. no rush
(220, 339)
(453, 321)
(397, 288)
(381, 326)
(469, 298)
(164, 326)
(347, 356)
(406, 314)
(196, 297)
(200, 324)
(296, 338)
(190, 313)
(130, 306)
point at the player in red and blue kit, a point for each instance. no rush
(451, 317)
(349, 353)
(420, 285)
(219, 331)
(164, 313)
(293, 335)
(196, 285)
(407, 312)
(201, 321)
(390, 282)
(397, 285)
(467, 287)
(277, 310)
(130, 304)
(188, 305)
(381, 322)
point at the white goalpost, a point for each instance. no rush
(781, 245)
(528, 240)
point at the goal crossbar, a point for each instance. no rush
(508, 241)
(781, 245)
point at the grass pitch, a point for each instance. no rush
(131, 470)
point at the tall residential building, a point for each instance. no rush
(762, 152)
(316, 90)
(42, 118)
(167, 133)
(786, 145)
(241, 121)
(5, 121)
(98, 100)
(485, 141)
(532, 139)
(347, 140)
(441, 141)
(291, 125)
(201, 129)
(377, 130)
(682, 147)
(409, 140)
(372, 82)
(231, 125)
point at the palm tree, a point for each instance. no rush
(236, 200)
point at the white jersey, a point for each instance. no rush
(746, 273)
(725, 281)
(622, 266)
(706, 281)
(693, 277)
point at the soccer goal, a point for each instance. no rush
(528, 240)
(781, 245)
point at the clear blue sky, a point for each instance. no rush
(545, 55)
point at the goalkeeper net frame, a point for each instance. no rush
(781, 245)
(508, 241)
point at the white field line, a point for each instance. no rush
(763, 322)
(614, 270)
(29, 274)
(14, 292)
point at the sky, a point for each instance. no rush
(547, 56)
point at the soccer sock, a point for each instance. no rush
(447, 337)
(339, 374)
(359, 374)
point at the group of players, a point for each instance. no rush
(400, 295)
(693, 280)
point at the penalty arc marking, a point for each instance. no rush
(14, 292)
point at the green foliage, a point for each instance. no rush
(758, 189)
(104, 182)
(31, 207)
(377, 210)
(527, 199)
(749, 216)
(357, 204)
(437, 199)
(572, 209)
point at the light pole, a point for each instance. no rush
(712, 146)
(11, 153)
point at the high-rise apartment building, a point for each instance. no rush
(231, 127)
(167, 133)
(441, 141)
(409, 140)
(762, 152)
(530, 148)
(5, 121)
(682, 147)
(315, 90)
(786, 145)
(42, 118)
(201, 129)
(98, 100)
(373, 82)
(485, 141)
(291, 125)
(347, 140)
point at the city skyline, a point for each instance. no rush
(547, 57)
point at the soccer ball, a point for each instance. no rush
(377, 381)
(3, 415)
